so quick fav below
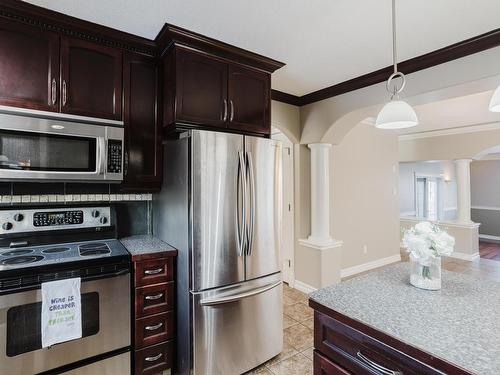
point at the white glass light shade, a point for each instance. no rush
(495, 101)
(396, 114)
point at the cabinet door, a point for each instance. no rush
(201, 94)
(142, 136)
(91, 79)
(249, 100)
(29, 67)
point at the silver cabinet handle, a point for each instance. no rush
(236, 297)
(153, 328)
(224, 118)
(64, 92)
(154, 297)
(232, 111)
(376, 366)
(152, 359)
(53, 91)
(240, 203)
(153, 272)
(251, 182)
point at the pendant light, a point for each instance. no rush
(397, 114)
(495, 101)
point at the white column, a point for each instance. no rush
(320, 192)
(462, 167)
(320, 237)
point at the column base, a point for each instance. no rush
(321, 243)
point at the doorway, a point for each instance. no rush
(287, 223)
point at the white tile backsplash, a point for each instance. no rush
(69, 198)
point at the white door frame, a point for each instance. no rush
(288, 219)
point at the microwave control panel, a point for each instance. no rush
(115, 152)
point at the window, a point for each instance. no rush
(427, 190)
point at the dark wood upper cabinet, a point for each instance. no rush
(29, 67)
(91, 79)
(249, 99)
(142, 165)
(201, 89)
(210, 84)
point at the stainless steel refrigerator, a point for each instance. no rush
(220, 206)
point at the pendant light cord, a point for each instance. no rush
(394, 50)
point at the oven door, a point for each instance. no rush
(36, 148)
(105, 327)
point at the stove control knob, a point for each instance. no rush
(7, 226)
(103, 220)
(95, 213)
(18, 217)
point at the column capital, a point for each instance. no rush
(319, 145)
(463, 160)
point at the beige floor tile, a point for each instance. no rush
(261, 370)
(298, 311)
(309, 323)
(288, 322)
(298, 336)
(308, 352)
(296, 365)
(288, 351)
(295, 295)
(288, 300)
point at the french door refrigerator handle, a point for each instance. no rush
(251, 189)
(238, 296)
(240, 204)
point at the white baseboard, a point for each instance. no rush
(303, 287)
(489, 237)
(464, 256)
(346, 272)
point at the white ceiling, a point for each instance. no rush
(323, 42)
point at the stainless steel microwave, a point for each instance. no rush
(34, 148)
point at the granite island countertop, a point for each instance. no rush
(142, 245)
(458, 323)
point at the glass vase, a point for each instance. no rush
(426, 275)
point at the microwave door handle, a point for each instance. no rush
(101, 155)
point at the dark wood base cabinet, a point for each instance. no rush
(344, 346)
(154, 315)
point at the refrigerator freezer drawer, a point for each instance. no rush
(239, 327)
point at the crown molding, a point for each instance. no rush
(452, 52)
(173, 35)
(50, 20)
(452, 131)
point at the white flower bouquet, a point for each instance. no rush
(426, 243)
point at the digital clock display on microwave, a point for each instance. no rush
(45, 219)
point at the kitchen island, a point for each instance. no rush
(380, 324)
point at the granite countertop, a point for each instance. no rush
(458, 323)
(146, 244)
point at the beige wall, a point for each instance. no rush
(365, 206)
(286, 118)
(448, 147)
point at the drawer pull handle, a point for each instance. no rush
(153, 328)
(153, 272)
(155, 358)
(154, 297)
(376, 366)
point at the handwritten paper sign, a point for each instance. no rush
(61, 311)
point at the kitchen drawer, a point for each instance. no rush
(154, 329)
(359, 353)
(154, 299)
(323, 366)
(154, 271)
(153, 359)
